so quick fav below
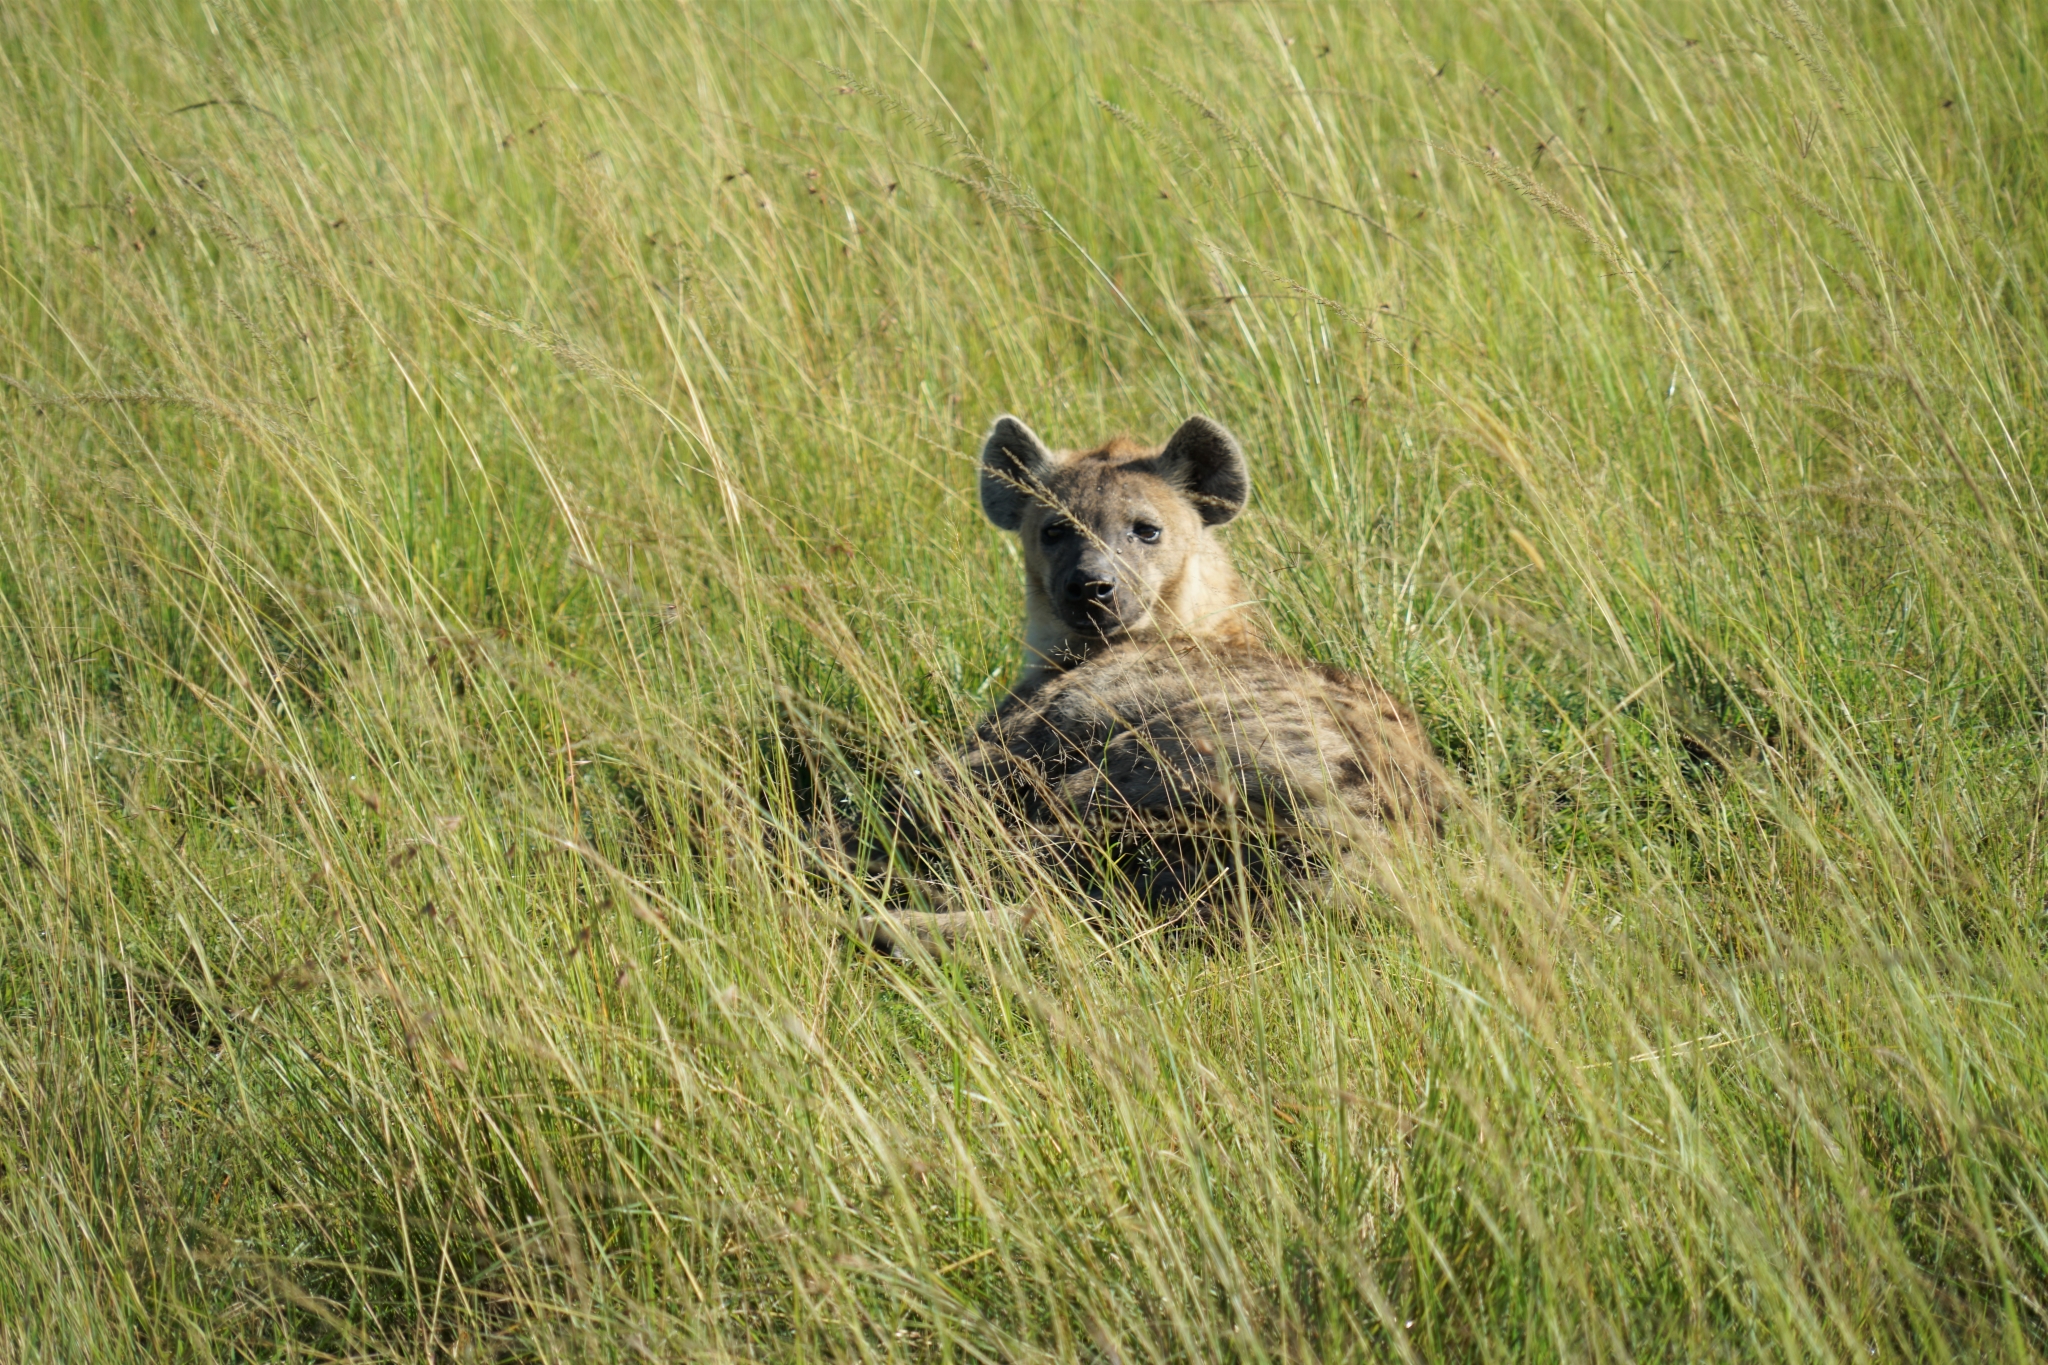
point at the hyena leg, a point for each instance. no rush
(892, 932)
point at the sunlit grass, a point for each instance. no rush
(479, 481)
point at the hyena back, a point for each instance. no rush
(1148, 707)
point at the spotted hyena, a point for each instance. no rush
(1150, 716)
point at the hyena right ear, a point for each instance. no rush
(1204, 461)
(1014, 467)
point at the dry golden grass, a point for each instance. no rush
(477, 478)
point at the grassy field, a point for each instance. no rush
(475, 481)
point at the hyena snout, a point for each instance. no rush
(1091, 591)
(1096, 596)
(1092, 578)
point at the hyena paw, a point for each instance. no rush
(890, 940)
(903, 935)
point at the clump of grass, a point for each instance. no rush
(479, 482)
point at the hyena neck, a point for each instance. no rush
(1206, 605)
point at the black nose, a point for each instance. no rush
(1090, 590)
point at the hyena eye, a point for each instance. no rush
(1054, 531)
(1145, 531)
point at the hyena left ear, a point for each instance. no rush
(1014, 467)
(1203, 459)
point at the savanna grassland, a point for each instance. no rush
(478, 482)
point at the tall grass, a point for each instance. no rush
(480, 480)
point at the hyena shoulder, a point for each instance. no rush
(1175, 729)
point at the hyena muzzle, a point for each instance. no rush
(1150, 722)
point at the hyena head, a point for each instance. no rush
(1119, 542)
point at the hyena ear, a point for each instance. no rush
(1204, 461)
(1014, 467)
